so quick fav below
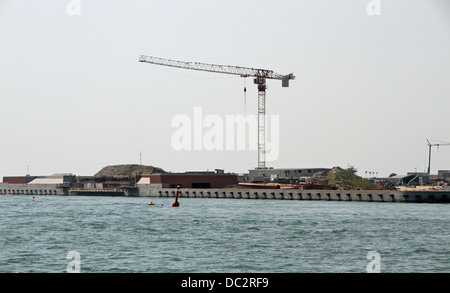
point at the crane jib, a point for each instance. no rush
(226, 69)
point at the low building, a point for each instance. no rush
(66, 179)
(99, 182)
(17, 179)
(37, 185)
(296, 174)
(444, 175)
(188, 180)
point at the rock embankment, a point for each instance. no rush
(127, 170)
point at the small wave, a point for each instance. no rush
(338, 231)
(421, 250)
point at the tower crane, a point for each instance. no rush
(260, 76)
(440, 143)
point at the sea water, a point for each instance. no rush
(125, 234)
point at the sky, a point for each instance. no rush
(372, 82)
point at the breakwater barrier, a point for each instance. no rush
(412, 196)
(419, 196)
(33, 189)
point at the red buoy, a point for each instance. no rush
(176, 203)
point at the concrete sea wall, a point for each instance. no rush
(297, 194)
(417, 196)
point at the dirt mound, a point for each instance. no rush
(344, 179)
(128, 170)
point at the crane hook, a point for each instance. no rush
(245, 99)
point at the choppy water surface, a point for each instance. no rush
(120, 234)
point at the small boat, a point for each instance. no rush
(151, 203)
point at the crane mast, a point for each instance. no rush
(260, 76)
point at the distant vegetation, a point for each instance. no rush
(346, 179)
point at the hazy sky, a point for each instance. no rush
(369, 89)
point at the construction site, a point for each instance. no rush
(293, 184)
(260, 183)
